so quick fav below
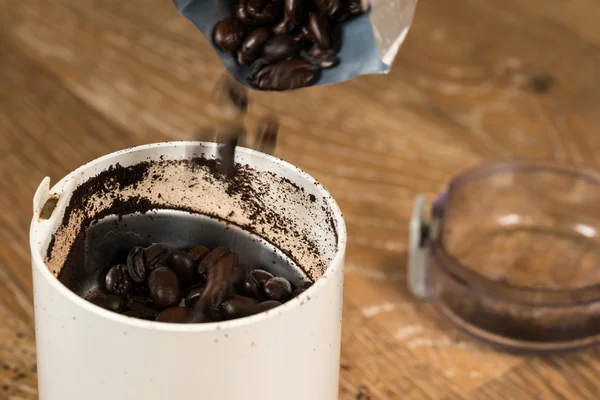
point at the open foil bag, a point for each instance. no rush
(369, 41)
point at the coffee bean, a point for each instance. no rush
(286, 75)
(302, 288)
(219, 285)
(241, 13)
(111, 302)
(328, 7)
(253, 286)
(295, 10)
(252, 47)
(194, 295)
(156, 256)
(268, 305)
(264, 11)
(143, 306)
(281, 47)
(356, 7)
(319, 31)
(261, 276)
(183, 264)
(164, 287)
(207, 262)
(278, 289)
(228, 34)
(266, 135)
(176, 315)
(228, 140)
(322, 58)
(118, 281)
(198, 253)
(239, 307)
(228, 91)
(136, 266)
(135, 314)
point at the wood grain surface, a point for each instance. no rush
(476, 80)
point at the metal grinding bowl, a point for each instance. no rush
(511, 255)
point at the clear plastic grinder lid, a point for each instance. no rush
(510, 254)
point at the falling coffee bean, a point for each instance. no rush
(356, 7)
(183, 264)
(264, 11)
(266, 135)
(164, 287)
(229, 34)
(228, 140)
(239, 307)
(194, 295)
(156, 256)
(219, 285)
(176, 315)
(208, 261)
(230, 92)
(286, 75)
(198, 253)
(111, 302)
(255, 280)
(268, 305)
(278, 289)
(118, 281)
(143, 306)
(281, 47)
(252, 47)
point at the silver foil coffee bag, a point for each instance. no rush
(369, 42)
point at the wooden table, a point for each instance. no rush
(476, 80)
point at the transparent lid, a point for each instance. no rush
(511, 255)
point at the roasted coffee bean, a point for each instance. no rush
(266, 135)
(264, 11)
(177, 315)
(356, 7)
(183, 264)
(228, 34)
(253, 286)
(329, 7)
(239, 307)
(228, 91)
(156, 256)
(322, 58)
(143, 306)
(208, 261)
(241, 13)
(135, 314)
(228, 138)
(165, 288)
(198, 253)
(252, 48)
(319, 31)
(219, 286)
(278, 289)
(301, 289)
(193, 295)
(136, 266)
(281, 47)
(268, 305)
(286, 75)
(118, 281)
(295, 10)
(111, 302)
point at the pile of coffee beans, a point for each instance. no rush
(164, 284)
(285, 43)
